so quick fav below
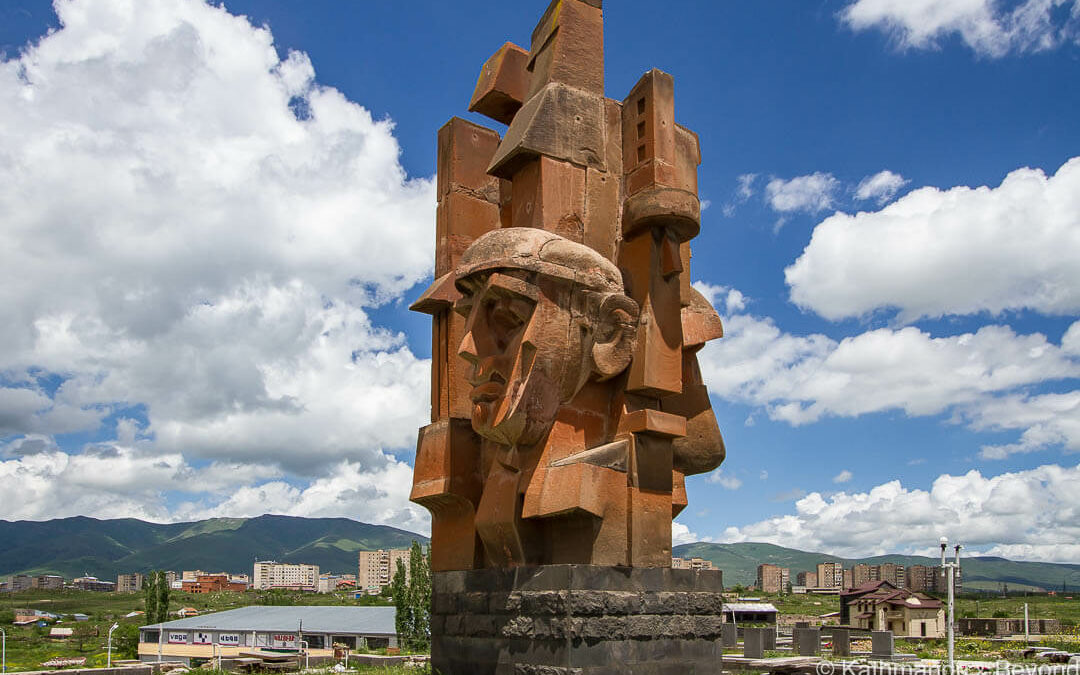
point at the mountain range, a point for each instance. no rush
(739, 563)
(104, 548)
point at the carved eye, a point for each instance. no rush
(504, 319)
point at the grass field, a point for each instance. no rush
(1064, 608)
(29, 647)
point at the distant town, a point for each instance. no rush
(375, 570)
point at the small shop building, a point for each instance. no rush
(233, 633)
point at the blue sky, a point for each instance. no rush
(212, 227)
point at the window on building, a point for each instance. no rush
(922, 627)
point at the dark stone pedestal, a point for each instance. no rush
(841, 642)
(807, 641)
(577, 620)
(754, 642)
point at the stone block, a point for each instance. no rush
(770, 638)
(568, 47)
(754, 642)
(729, 635)
(503, 84)
(687, 159)
(603, 212)
(841, 642)
(465, 150)
(659, 206)
(558, 122)
(549, 194)
(460, 219)
(648, 133)
(881, 644)
(656, 370)
(575, 625)
(807, 641)
(447, 482)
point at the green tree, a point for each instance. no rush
(156, 595)
(150, 597)
(419, 599)
(126, 642)
(399, 590)
(163, 596)
(412, 600)
(82, 632)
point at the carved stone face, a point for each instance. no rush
(519, 346)
(538, 326)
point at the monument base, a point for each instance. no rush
(577, 620)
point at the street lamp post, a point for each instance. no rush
(114, 627)
(3, 649)
(950, 570)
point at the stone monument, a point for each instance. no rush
(567, 403)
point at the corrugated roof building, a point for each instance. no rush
(275, 628)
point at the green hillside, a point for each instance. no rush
(740, 561)
(104, 548)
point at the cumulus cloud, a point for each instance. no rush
(881, 187)
(681, 534)
(843, 477)
(1046, 421)
(986, 26)
(800, 379)
(1030, 515)
(812, 193)
(724, 480)
(960, 251)
(194, 228)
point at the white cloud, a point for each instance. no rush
(881, 187)
(984, 25)
(843, 477)
(1048, 420)
(960, 251)
(812, 193)
(764, 475)
(194, 227)
(681, 534)
(801, 379)
(746, 186)
(1031, 515)
(726, 481)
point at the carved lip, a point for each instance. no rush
(487, 392)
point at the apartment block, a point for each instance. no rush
(830, 575)
(375, 569)
(129, 583)
(894, 574)
(861, 574)
(920, 578)
(48, 582)
(691, 564)
(21, 582)
(269, 574)
(773, 578)
(807, 579)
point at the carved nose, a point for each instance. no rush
(467, 349)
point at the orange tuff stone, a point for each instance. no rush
(503, 84)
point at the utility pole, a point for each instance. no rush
(951, 569)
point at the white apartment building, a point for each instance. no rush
(269, 574)
(376, 568)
